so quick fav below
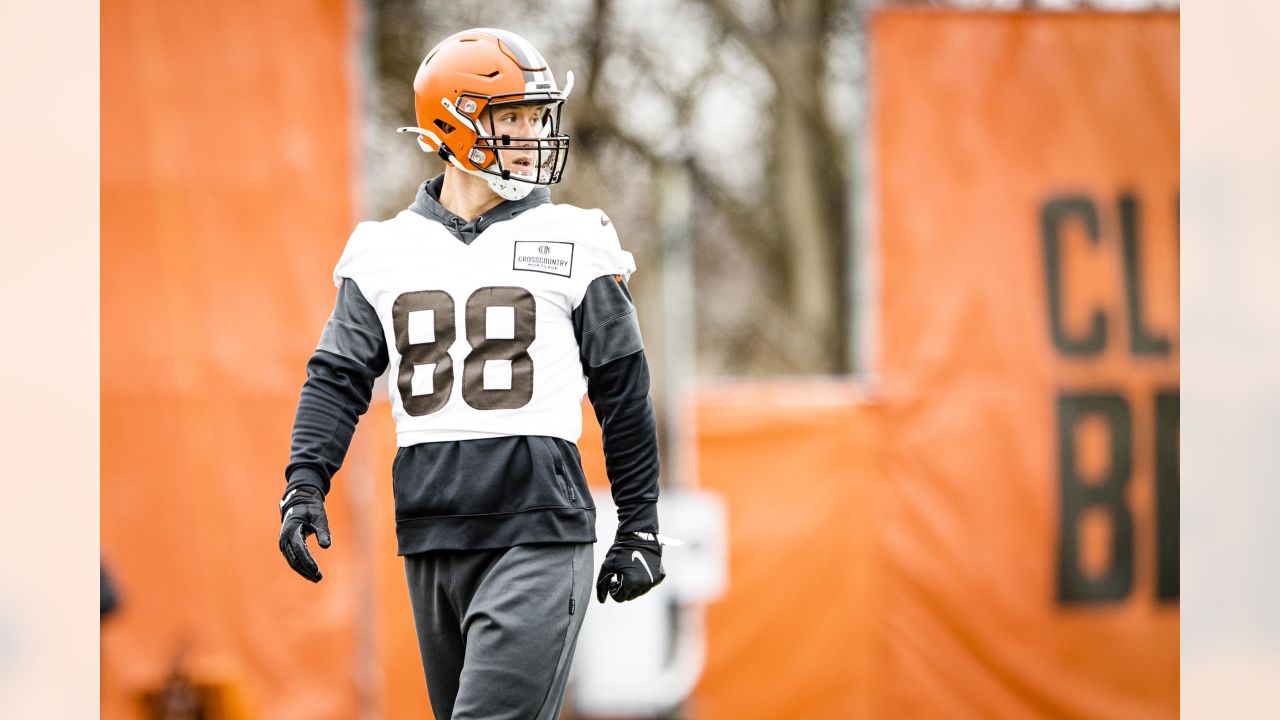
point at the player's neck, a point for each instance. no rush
(466, 196)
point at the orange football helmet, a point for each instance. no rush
(478, 70)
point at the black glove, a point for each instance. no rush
(302, 512)
(631, 568)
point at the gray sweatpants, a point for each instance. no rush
(497, 628)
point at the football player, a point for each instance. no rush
(494, 310)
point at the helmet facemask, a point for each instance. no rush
(537, 160)
(489, 155)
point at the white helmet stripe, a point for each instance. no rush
(527, 56)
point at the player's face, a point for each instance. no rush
(519, 121)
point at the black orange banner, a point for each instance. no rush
(993, 533)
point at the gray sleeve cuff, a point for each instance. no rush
(304, 475)
(605, 322)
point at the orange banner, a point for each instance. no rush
(798, 466)
(226, 196)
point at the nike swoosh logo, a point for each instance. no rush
(637, 556)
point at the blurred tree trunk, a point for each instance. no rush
(808, 179)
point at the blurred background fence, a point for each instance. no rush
(924, 341)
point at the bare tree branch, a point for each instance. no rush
(762, 50)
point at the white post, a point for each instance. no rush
(678, 324)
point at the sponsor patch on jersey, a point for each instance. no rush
(553, 258)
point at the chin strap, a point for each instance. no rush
(508, 189)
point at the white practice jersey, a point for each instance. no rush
(480, 337)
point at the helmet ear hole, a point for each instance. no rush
(445, 127)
